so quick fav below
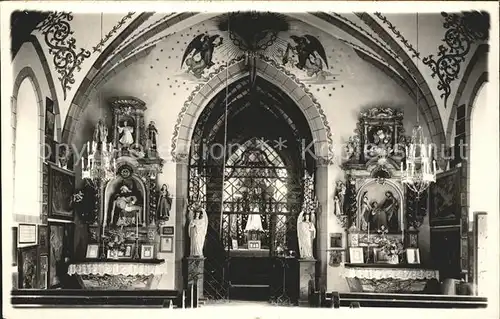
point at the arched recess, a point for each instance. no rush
(321, 148)
(27, 163)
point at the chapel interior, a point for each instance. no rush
(305, 159)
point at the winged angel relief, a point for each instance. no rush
(199, 53)
(307, 54)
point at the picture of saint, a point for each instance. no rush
(126, 210)
(379, 209)
(390, 207)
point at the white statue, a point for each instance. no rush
(254, 221)
(306, 233)
(126, 131)
(198, 230)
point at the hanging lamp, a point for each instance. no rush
(418, 173)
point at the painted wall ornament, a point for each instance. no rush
(62, 45)
(462, 31)
(199, 53)
(310, 55)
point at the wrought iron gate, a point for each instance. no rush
(255, 193)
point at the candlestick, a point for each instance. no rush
(183, 299)
(192, 296)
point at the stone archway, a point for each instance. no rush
(188, 117)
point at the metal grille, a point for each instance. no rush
(256, 183)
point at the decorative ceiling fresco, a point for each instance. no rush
(435, 56)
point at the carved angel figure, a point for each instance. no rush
(197, 229)
(306, 232)
(126, 138)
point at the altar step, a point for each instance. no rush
(362, 299)
(92, 298)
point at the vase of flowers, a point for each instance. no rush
(391, 247)
(115, 242)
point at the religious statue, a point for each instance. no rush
(164, 203)
(152, 134)
(254, 222)
(365, 212)
(100, 133)
(197, 229)
(125, 210)
(126, 137)
(306, 232)
(390, 207)
(340, 190)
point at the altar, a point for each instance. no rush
(125, 274)
(388, 278)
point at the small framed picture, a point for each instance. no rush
(336, 240)
(147, 251)
(129, 249)
(43, 238)
(234, 243)
(413, 255)
(356, 255)
(167, 230)
(112, 254)
(27, 234)
(166, 244)
(92, 251)
(254, 244)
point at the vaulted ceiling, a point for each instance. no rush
(429, 51)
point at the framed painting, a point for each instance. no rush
(14, 246)
(28, 267)
(412, 255)
(129, 250)
(167, 230)
(356, 255)
(61, 189)
(27, 234)
(92, 251)
(444, 206)
(166, 244)
(43, 239)
(60, 248)
(336, 240)
(147, 251)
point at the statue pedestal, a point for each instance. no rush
(195, 270)
(307, 275)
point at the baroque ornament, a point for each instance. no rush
(462, 30)
(100, 45)
(61, 43)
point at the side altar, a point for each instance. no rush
(121, 168)
(380, 215)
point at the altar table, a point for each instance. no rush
(123, 274)
(388, 278)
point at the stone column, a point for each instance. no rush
(307, 274)
(195, 270)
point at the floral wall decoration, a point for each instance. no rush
(58, 36)
(99, 46)
(462, 31)
(398, 35)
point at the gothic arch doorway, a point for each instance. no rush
(252, 190)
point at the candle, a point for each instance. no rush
(192, 296)
(430, 150)
(434, 165)
(88, 147)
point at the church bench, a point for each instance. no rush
(348, 299)
(87, 298)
